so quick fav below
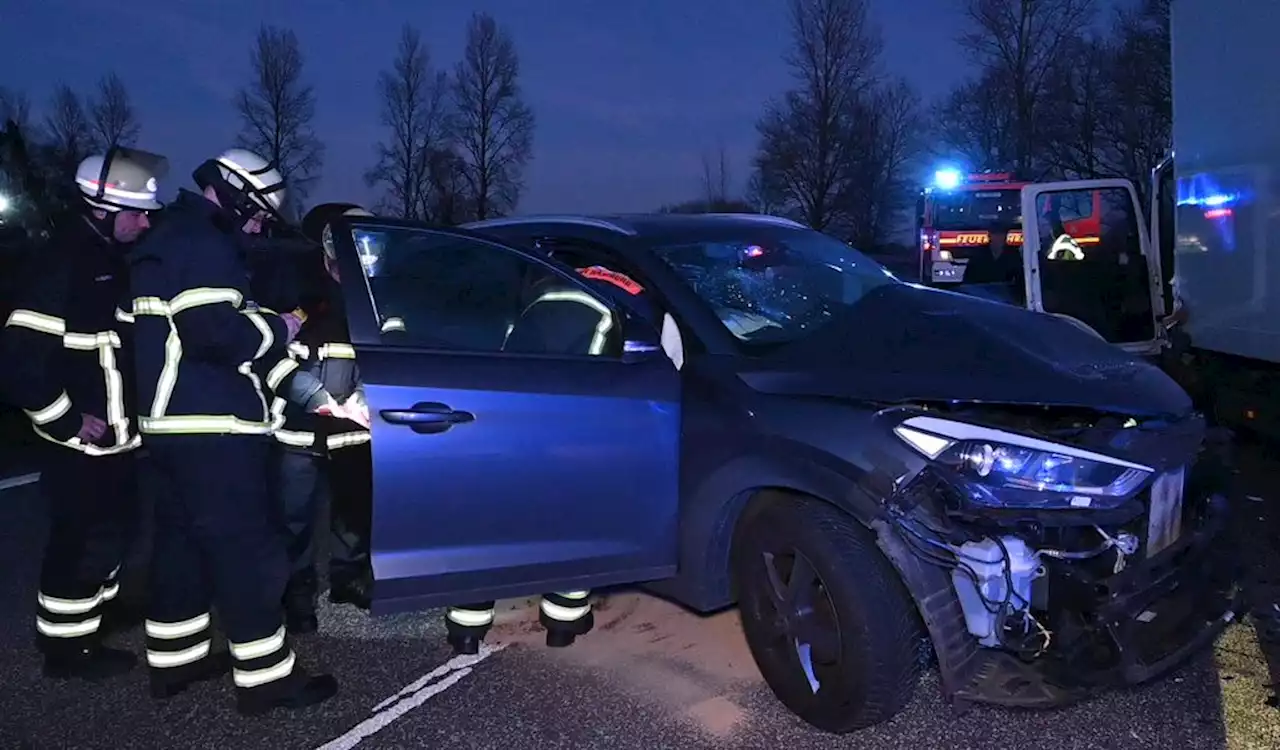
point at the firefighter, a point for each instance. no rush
(66, 350)
(206, 356)
(324, 450)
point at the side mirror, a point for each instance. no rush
(640, 343)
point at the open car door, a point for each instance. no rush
(1087, 257)
(525, 431)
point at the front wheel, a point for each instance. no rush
(826, 617)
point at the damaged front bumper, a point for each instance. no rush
(1125, 628)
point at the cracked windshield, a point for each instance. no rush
(771, 290)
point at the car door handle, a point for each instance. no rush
(427, 417)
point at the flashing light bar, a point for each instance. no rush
(951, 178)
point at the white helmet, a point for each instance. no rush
(239, 174)
(123, 179)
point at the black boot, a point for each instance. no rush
(91, 663)
(179, 679)
(300, 606)
(354, 589)
(303, 690)
(563, 634)
(464, 645)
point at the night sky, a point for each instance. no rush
(628, 95)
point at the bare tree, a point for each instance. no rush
(715, 176)
(68, 140)
(447, 197)
(1072, 139)
(879, 185)
(112, 117)
(494, 126)
(415, 114)
(840, 136)
(277, 109)
(15, 107)
(1021, 43)
(1138, 126)
(67, 130)
(976, 123)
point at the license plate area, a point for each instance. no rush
(1164, 520)
(948, 271)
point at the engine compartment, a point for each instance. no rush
(1060, 600)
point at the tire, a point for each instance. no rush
(863, 628)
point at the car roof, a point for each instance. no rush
(636, 225)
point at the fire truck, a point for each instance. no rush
(971, 232)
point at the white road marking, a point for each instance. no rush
(411, 696)
(18, 481)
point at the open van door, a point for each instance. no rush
(1087, 257)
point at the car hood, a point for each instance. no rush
(905, 343)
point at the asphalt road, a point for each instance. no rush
(650, 676)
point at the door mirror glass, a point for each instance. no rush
(443, 291)
(1092, 266)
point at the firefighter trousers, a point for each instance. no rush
(93, 507)
(306, 484)
(217, 545)
(565, 616)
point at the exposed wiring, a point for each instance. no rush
(946, 556)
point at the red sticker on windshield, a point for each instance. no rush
(620, 280)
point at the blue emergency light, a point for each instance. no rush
(947, 179)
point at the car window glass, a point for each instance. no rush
(443, 291)
(770, 286)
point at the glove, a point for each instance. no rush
(91, 428)
(293, 323)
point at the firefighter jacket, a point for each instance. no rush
(66, 345)
(208, 358)
(328, 370)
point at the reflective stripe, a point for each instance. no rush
(87, 342)
(282, 370)
(200, 296)
(123, 316)
(296, 438)
(564, 614)
(224, 424)
(470, 618)
(247, 678)
(89, 449)
(158, 421)
(168, 631)
(105, 343)
(110, 191)
(110, 591)
(606, 316)
(53, 412)
(392, 324)
(259, 648)
(346, 439)
(68, 629)
(37, 321)
(337, 351)
(59, 606)
(301, 351)
(168, 659)
(574, 594)
(268, 338)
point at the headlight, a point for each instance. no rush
(1005, 469)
